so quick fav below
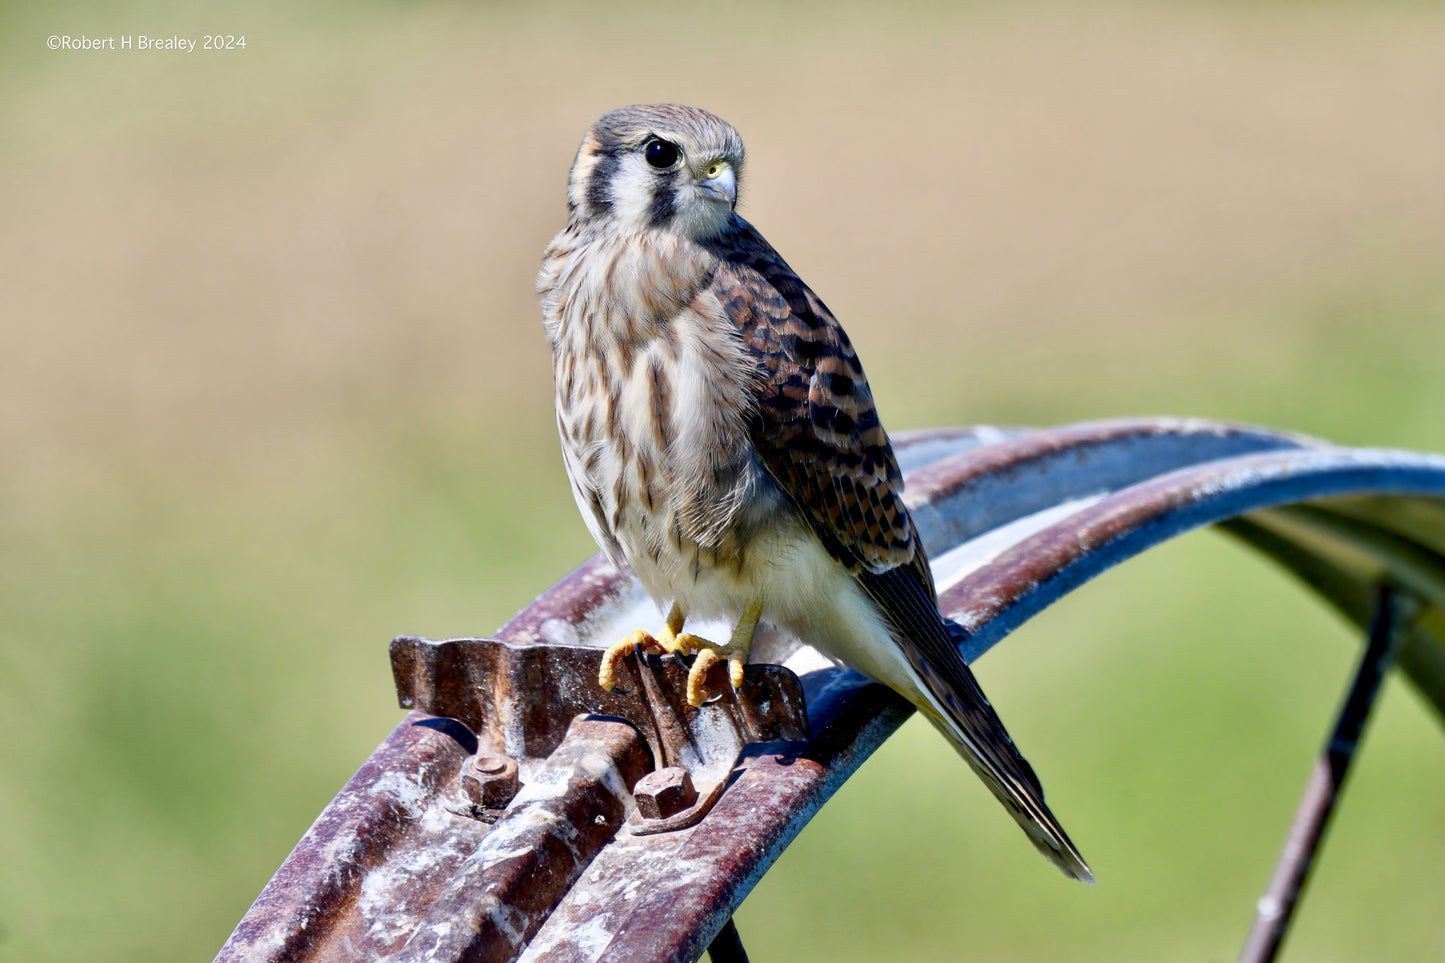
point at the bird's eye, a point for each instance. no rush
(660, 154)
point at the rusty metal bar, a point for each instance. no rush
(665, 897)
(304, 910)
(1275, 909)
(504, 890)
(727, 946)
(1020, 577)
(1013, 519)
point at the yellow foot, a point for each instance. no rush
(639, 639)
(708, 655)
(673, 639)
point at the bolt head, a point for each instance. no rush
(491, 765)
(664, 792)
(490, 781)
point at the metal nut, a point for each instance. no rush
(491, 765)
(664, 792)
(490, 781)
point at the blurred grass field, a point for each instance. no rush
(273, 389)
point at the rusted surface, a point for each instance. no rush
(490, 780)
(1013, 520)
(312, 907)
(643, 822)
(522, 698)
(506, 887)
(999, 595)
(958, 497)
(664, 792)
(665, 897)
(1275, 909)
(727, 946)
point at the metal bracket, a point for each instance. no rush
(518, 700)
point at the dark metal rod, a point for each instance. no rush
(1276, 908)
(727, 946)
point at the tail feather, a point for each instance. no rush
(1013, 783)
(953, 701)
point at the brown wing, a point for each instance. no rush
(816, 431)
(815, 427)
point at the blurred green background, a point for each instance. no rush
(273, 389)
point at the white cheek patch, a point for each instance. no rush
(632, 190)
(633, 187)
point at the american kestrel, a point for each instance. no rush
(721, 439)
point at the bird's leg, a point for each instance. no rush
(672, 631)
(644, 640)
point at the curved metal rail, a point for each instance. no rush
(432, 851)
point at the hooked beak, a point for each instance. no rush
(720, 183)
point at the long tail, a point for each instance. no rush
(956, 705)
(991, 753)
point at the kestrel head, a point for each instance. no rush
(657, 167)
